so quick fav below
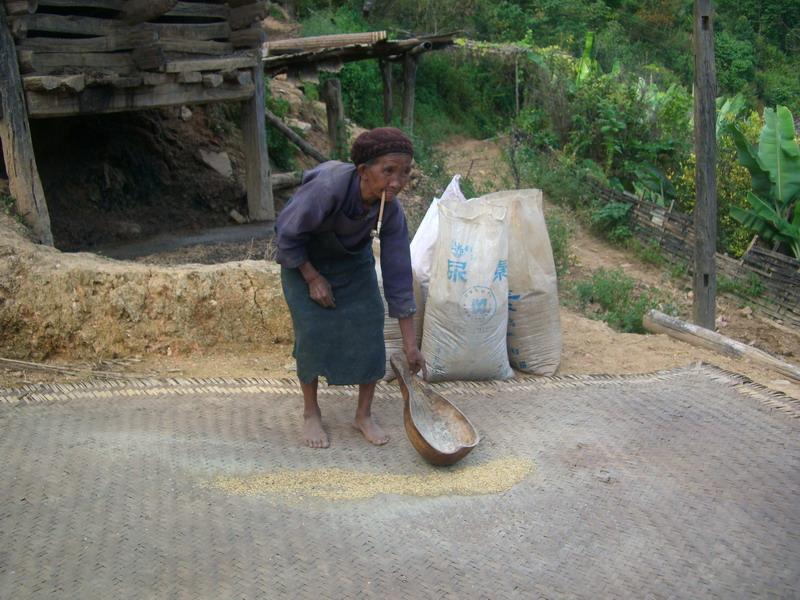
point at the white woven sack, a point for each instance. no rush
(424, 242)
(466, 311)
(534, 321)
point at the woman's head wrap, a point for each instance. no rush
(379, 141)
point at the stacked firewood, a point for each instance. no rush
(64, 46)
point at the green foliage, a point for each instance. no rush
(560, 231)
(560, 177)
(614, 297)
(466, 96)
(750, 288)
(362, 92)
(679, 270)
(733, 183)
(728, 111)
(9, 207)
(328, 20)
(775, 173)
(613, 221)
(735, 63)
(278, 145)
(649, 252)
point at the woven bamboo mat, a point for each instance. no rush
(684, 483)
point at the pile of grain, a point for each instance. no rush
(344, 484)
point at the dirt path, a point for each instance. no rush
(589, 346)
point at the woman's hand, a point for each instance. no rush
(416, 360)
(320, 292)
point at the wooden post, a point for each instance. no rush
(260, 204)
(15, 136)
(337, 130)
(705, 210)
(409, 87)
(386, 75)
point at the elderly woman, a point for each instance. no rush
(328, 275)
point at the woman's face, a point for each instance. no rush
(389, 172)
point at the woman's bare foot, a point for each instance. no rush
(371, 430)
(313, 432)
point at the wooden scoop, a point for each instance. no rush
(440, 432)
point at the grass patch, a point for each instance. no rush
(649, 252)
(752, 287)
(9, 207)
(616, 298)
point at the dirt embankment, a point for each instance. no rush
(83, 306)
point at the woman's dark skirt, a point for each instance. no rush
(343, 344)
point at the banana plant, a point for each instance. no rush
(775, 173)
(728, 110)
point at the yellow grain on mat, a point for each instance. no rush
(344, 484)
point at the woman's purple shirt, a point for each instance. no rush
(328, 192)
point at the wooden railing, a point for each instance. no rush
(778, 275)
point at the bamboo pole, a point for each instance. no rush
(324, 41)
(658, 322)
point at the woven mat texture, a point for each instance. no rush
(680, 484)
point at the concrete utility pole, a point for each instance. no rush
(705, 148)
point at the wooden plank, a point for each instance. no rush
(139, 11)
(115, 5)
(211, 64)
(190, 77)
(199, 9)
(21, 7)
(157, 78)
(244, 16)
(102, 100)
(212, 80)
(191, 31)
(286, 180)
(150, 57)
(658, 322)
(71, 24)
(253, 37)
(386, 49)
(15, 137)
(195, 46)
(31, 61)
(47, 83)
(106, 43)
(79, 25)
(260, 203)
(324, 41)
(705, 144)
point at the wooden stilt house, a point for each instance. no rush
(74, 57)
